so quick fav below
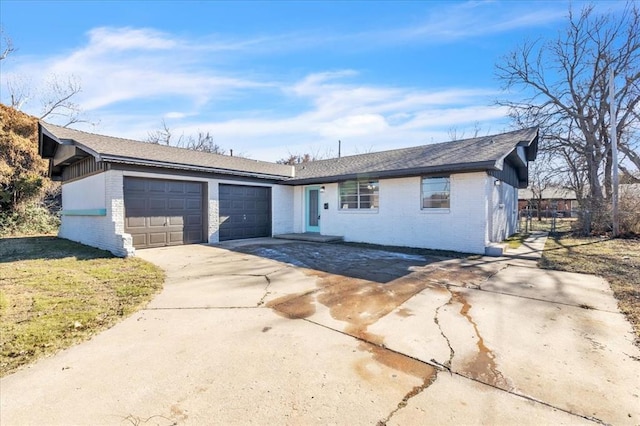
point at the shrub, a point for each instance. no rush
(28, 219)
(597, 218)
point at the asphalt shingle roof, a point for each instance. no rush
(485, 152)
(125, 150)
(482, 153)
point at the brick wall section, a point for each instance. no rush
(400, 221)
(282, 198)
(104, 232)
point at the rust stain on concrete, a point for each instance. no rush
(483, 365)
(455, 274)
(294, 306)
(404, 312)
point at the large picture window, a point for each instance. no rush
(436, 192)
(362, 194)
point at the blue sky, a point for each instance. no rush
(271, 78)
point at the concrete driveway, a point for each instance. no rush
(278, 332)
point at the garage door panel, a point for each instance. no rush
(176, 204)
(175, 188)
(134, 185)
(163, 212)
(194, 204)
(156, 221)
(193, 236)
(139, 240)
(175, 237)
(157, 186)
(136, 222)
(175, 221)
(137, 204)
(194, 220)
(245, 211)
(157, 238)
(157, 204)
(193, 188)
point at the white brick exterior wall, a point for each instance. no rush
(100, 191)
(282, 198)
(481, 212)
(400, 221)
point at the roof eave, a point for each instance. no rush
(179, 166)
(418, 171)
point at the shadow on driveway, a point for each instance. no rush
(379, 266)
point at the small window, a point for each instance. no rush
(359, 194)
(436, 192)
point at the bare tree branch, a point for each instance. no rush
(6, 45)
(565, 82)
(57, 100)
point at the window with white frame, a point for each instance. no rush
(436, 192)
(359, 195)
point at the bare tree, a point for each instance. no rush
(56, 96)
(57, 100)
(294, 159)
(313, 155)
(6, 45)
(19, 89)
(162, 136)
(455, 136)
(202, 142)
(543, 174)
(567, 82)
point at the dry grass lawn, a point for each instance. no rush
(616, 260)
(55, 293)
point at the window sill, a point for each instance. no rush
(435, 211)
(358, 211)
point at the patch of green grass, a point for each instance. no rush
(55, 293)
(516, 240)
(616, 260)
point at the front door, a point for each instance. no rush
(312, 217)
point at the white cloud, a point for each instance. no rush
(132, 78)
(119, 39)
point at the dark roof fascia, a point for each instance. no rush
(45, 140)
(531, 147)
(479, 166)
(179, 166)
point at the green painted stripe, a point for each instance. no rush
(87, 212)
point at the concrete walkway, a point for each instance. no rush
(531, 248)
(280, 332)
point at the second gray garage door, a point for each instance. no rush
(162, 212)
(245, 212)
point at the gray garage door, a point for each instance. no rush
(245, 212)
(162, 212)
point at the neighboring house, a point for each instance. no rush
(553, 199)
(121, 195)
